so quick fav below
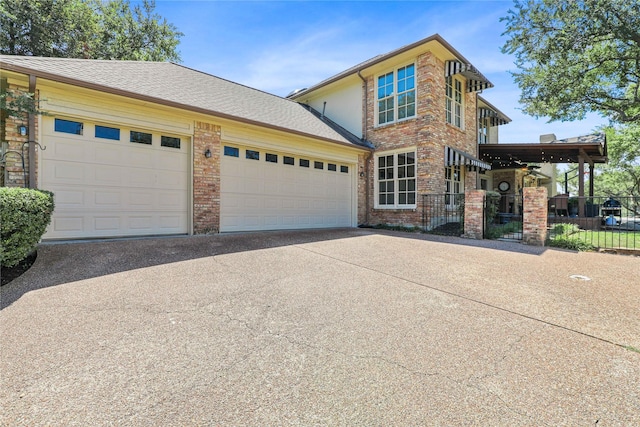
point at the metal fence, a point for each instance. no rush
(503, 216)
(594, 222)
(443, 214)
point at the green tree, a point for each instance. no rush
(58, 28)
(87, 29)
(621, 176)
(576, 56)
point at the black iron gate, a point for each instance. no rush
(503, 216)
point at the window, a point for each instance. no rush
(344, 169)
(140, 137)
(272, 158)
(107, 133)
(318, 165)
(252, 155)
(331, 167)
(483, 130)
(231, 151)
(288, 160)
(454, 101)
(453, 184)
(396, 180)
(68, 126)
(304, 163)
(397, 95)
(169, 141)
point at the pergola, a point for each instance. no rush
(589, 149)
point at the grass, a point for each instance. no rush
(612, 239)
(570, 236)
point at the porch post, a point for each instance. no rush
(580, 186)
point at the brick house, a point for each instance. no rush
(141, 148)
(419, 107)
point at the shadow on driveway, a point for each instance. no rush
(65, 262)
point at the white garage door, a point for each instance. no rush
(112, 181)
(269, 190)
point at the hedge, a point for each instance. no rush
(24, 217)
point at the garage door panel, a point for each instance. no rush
(107, 223)
(104, 175)
(112, 188)
(108, 198)
(260, 195)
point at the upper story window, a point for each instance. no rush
(483, 130)
(454, 101)
(397, 95)
(396, 180)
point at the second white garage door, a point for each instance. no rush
(270, 190)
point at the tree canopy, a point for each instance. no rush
(87, 29)
(576, 56)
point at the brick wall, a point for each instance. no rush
(206, 178)
(534, 218)
(474, 214)
(427, 131)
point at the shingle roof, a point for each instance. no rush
(182, 87)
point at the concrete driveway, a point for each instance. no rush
(339, 327)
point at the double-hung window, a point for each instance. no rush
(453, 185)
(454, 101)
(396, 180)
(397, 95)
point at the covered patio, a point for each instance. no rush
(581, 150)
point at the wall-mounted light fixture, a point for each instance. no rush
(22, 130)
(207, 153)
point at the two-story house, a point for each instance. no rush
(419, 107)
(127, 154)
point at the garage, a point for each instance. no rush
(112, 181)
(265, 189)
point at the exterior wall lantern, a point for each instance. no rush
(22, 130)
(207, 153)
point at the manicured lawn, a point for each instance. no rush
(611, 239)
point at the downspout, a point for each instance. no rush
(364, 137)
(31, 136)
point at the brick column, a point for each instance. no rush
(206, 178)
(534, 215)
(474, 214)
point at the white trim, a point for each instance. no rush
(395, 95)
(376, 181)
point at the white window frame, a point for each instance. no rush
(397, 179)
(395, 95)
(454, 184)
(483, 130)
(454, 108)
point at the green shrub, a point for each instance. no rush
(574, 243)
(24, 216)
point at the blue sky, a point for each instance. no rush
(279, 46)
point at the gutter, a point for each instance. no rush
(364, 135)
